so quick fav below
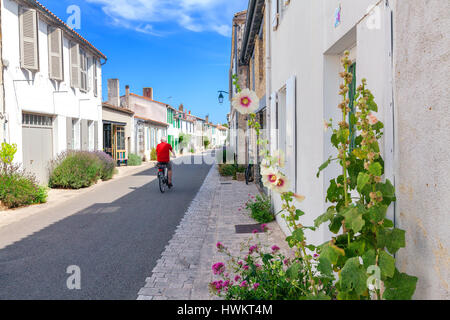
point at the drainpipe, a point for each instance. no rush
(268, 66)
(3, 120)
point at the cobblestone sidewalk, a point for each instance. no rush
(184, 270)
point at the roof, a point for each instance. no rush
(146, 98)
(252, 27)
(53, 17)
(153, 121)
(110, 106)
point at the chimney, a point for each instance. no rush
(181, 107)
(148, 93)
(113, 92)
(127, 96)
(207, 118)
(189, 111)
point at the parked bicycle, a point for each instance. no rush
(249, 173)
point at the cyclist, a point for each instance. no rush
(163, 151)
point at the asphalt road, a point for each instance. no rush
(115, 236)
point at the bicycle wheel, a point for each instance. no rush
(162, 183)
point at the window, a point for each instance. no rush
(28, 33)
(36, 120)
(83, 71)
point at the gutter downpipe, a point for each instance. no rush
(3, 120)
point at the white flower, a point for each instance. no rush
(269, 177)
(279, 158)
(282, 184)
(246, 102)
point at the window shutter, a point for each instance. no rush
(74, 65)
(291, 128)
(55, 53)
(95, 85)
(29, 56)
(275, 14)
(88, 73)
(273, 122)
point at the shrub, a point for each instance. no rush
(192, 150)
(134, 160)
(263, 273)
(260, 209)
(153, 154)
(18, 189)
(108, 165)
(227, 170)
(75, 170)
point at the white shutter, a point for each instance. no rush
(29, 55)
(374, 63)
(273, 122)
(275, 14)
(74, 65)
(55, 56)
(291, 116)
(95, 85)
(88, 73)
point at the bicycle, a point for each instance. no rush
(163, 177)
(249, 173)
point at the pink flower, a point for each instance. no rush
(255, 231)
(219, 245)
(255, 286)
(372, 119)
(243, 284)
(264, 227)
(245, 267)
(240, 263)
(275, 248)
(253, 249)
(237, 278)
(315, 256)
(218, 268)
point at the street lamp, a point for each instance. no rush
(221, 97)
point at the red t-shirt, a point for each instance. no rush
(163, 152)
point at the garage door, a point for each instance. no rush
(37, 141)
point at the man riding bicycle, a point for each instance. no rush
(163, 151)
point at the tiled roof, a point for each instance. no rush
(146, 98)
(52, 16)
(110, 106)
(151, 120)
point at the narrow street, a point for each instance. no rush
(114, 234)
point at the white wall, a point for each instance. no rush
(40, 94)
(307, 45)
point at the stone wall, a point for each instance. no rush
(421, 67)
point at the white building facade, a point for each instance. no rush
(306, 40)
(52, 85)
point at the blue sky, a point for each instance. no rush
(181, 48)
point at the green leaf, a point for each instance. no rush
(386, 262)
(324, 266)
(353, 277)
(298, 235)
(331, 252)
(376, 169)
(298, 214)
(387, 190)
(323, 166)
(325, 217)
(356, 248)
(320, 296)
(293, 271)
(377, 213)
(393, 239)
(363, 180)
(400, 287)
(343, 135)
(353, 219)
(359, 153)
(369, 258)
(336, 224)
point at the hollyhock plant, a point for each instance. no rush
(246, 101)
(282, 184)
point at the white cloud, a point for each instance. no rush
(194, 15)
